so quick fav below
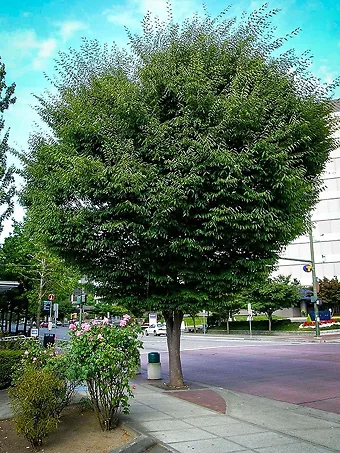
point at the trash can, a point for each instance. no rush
(154, 365)
(49, 339)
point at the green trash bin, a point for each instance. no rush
(154, 357)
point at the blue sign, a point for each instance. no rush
(307, 268)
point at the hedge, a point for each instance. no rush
(9, 359)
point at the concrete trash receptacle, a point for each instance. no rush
(154, 365)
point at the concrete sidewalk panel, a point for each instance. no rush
(208, 420)
(264, 439)
(234, 428)
(211, 446)
(165, 425)
(178, 435)
(324, 437)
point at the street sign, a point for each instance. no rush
(46, 306)
(56, 310)
(307, 268)
(51, 297)
(34, 333)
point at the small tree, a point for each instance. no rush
(274, 294)
(225, 307)
(330, 293)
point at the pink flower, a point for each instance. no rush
(127, 317)
(34, 359)
(78, 333)
(72, 327)
(26, 352)
(90, 338)
(86, 327)
(100, 336)
(44, 352)
(122, 323)
(105, 320)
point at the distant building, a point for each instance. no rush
(326, 231)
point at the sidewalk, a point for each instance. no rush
(249, 424)
(213, 420)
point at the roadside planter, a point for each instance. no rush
(154, 365)
(322, 324)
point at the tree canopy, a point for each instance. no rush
(7, 187)
(329, 293)
(274, 294)
(41, 272)
(179, 169)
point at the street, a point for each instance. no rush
(302, 373)
(306, 374)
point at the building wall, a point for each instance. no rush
(326, 231)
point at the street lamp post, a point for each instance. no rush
(315, 293)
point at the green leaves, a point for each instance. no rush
(7, 187)
(183, 166)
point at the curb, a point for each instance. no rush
(140, 444)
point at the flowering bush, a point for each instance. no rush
(328, 323)
(106, 357)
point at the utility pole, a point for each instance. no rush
(315, 292)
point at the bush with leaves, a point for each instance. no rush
(35, 400)
(9, 360)
(52, 359)
(105, 357)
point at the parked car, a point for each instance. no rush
(44, 324)
(59, 323)
(156, 329)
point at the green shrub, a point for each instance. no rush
(36, 399)
(21, 343)
(38, 357)
(9, 361)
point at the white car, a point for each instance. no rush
(156, 329)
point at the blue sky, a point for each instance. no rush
(32, 32)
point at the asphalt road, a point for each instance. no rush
(306, 374)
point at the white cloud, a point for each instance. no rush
(133, 11)
(69, 28)
(25, 45)
(327, 75)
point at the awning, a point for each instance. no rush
(6, 286)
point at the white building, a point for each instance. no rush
(326, 231)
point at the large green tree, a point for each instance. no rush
(7, 187)
(274, 294)
(179, 169)
(38, 269)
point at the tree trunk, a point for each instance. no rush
(10, 320)
(173, 321)
(194, 320)
(269, 322)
